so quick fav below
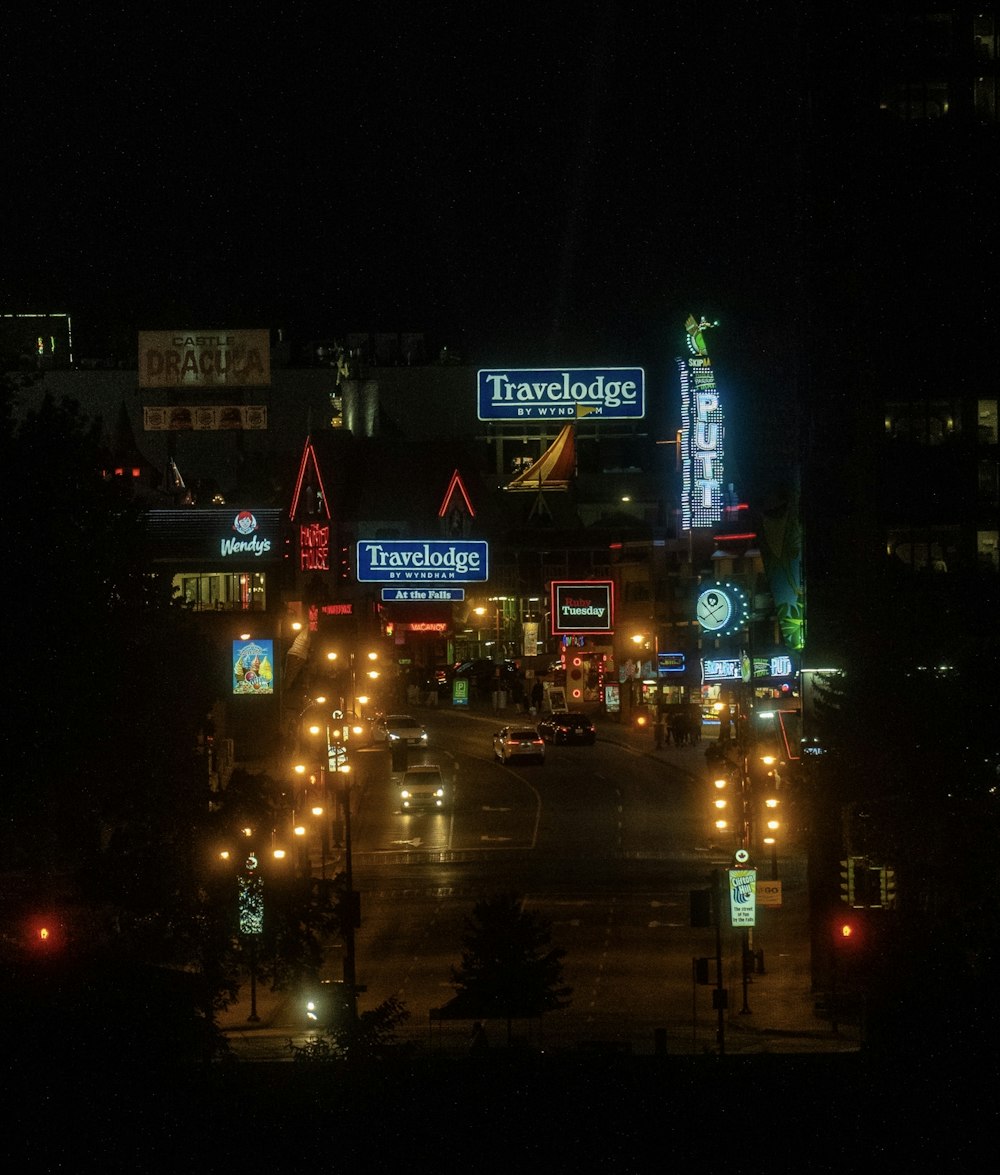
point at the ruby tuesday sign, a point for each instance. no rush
(579, 608)
(404, 561)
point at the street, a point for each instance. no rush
(606, 842)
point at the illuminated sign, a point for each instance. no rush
(579, 608)
(215, 537)
(247, 541)
(722, 669)
(780, 666)
(314, 547)
(702, 433)
(546, 393)
(205, 418)
(253, 667)
(743, 896)
(722, 608)
(670, 663)
(204, 359)
(421, 595)
(385, 561)
(337, 609)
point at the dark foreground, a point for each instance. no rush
(502, 1111)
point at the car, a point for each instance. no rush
(422, 786)
(518, 742)
(567, 727)
(393, 728)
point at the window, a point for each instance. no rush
(223, 591)
(929, 548)
(923, 422)
(988, 550)
(987, 422)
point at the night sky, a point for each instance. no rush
(559, 182)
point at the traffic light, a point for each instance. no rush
(847, 881)
(888, 887)
(45, 935)
(850, 934)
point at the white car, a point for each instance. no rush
(400, 728)
(422, 787)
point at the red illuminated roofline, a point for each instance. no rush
(456, 482)
(728, 538)
(308, 452)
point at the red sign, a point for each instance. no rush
(314, 547)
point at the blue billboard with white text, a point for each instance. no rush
(562, 393)
(405, 561)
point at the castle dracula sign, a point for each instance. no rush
(204, 359)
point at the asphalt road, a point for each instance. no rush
(606, 843)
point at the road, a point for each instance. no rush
(606, 843)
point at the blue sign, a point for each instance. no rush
(421, 595)
(670, 663)
(558, 393)
(407, 561)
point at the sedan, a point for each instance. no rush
(518, 742)
(400, 728)
(567, 728)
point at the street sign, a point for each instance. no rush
(768, 893)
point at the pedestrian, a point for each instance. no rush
(537, 694)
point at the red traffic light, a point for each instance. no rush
(45, 934)
(849, 934)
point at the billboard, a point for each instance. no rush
(407, 561)
(253, 667)
(702, 433)
(204, 359)
(560, 393)
(241, 538)
(204, 418)
(582, 608)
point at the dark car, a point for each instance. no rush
(567, 728)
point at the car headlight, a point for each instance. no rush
(405, 794)
(439, 792)
(393, 738)
(423, 735)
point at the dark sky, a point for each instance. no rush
(560, 180)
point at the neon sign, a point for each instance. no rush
(702, 433)
(314, 547)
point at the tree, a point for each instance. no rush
(371, 1037)
(508, 968)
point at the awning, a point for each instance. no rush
(554, 470)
